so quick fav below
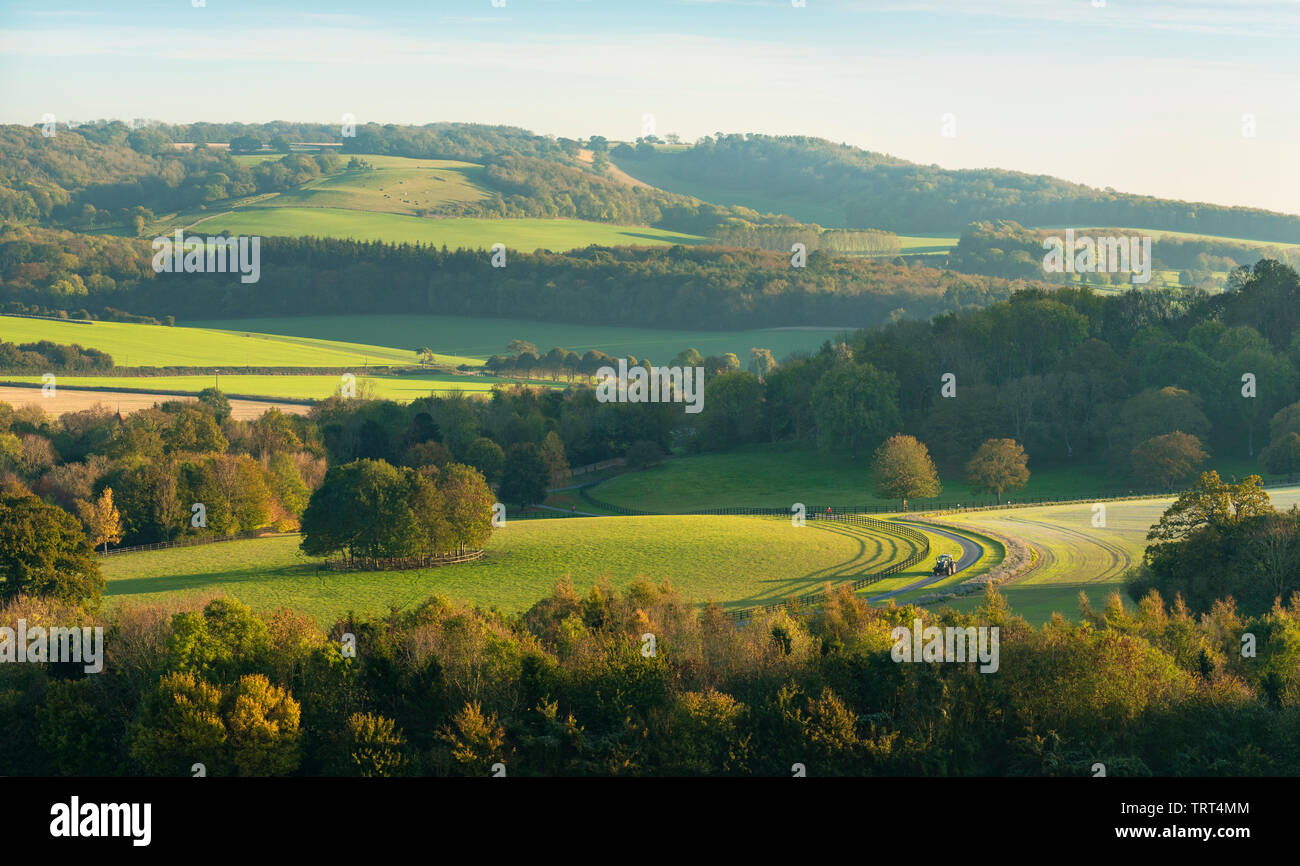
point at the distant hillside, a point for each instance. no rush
(454, 184)
(835, 185)
(108, 176)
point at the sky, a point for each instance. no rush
(1188, 99)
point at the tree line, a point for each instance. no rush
(564, 689)
(644, 287)
(46, 355)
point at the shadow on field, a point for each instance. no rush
(203, 580)
(850, 569)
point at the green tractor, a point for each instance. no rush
(946, 565)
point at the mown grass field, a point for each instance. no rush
(776, 476)
(134, 345)
(480, 338)
(298, 387)
(732, 560)
(558, 235)
(1075, 555)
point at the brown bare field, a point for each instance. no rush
(68, 400)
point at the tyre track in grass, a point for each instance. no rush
(875, 550)
(971, 553)
(1119, 558)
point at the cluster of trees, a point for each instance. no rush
(524, 360)
(403, 485)
(155, 465)
(565, 690)
(656, 287)
(1004, 248)
(43, 551)
(369, 510)
(139, 479)
(519, 440)
(902, 469)
(873, 190)
(45, 355)
(1222, 540)
(64, 267)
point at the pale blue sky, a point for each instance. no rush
(1145, 96)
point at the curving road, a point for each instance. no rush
(970, 554)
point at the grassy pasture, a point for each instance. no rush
(737, 560)
(470, 233)
(134, 345)
(480, 338)
(396, 185)
(781, 474)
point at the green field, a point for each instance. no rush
(1075, 555)
(776, 476)
(482, 337)
(926, 244)
(160, 346)
(395, 185)
(297, 387)
(558, 235)
(734, 560)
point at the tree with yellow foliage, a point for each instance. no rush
(103, 522)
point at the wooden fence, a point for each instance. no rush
(400, 563)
